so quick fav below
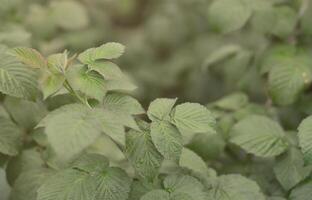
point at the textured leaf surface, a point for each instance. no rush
(290, 170)
(107, 69)
(51, 83)
(142, 153)
(109, 50)
(156, 195)
(191, 160)
(229, 15)
(167, 139)
(10, 137)
(15, 78)
(305, 139)
(160, 108)
(30, 57)
(235, 187)
(90, 83)
(70, 129)
(123, 103)
(193, 117)
(289, 77)
(259, 135)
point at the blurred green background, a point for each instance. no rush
(197, 50)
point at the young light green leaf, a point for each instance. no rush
(124, 103)
(160, 109)
(305, 139)
(229, 15)
(30, 57)
(260, 136)
(235, 187)
(167, 139)
(51, 83)
(290, 170)
(109, 70)
(88, 82)
(191, 160)
(142, 154)
(15, 78)
(109, 50)
(57, 63)
(233, 101)
(193, 117)
(10, 137)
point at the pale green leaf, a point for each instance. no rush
(229, 15)
(160, 109)
(51, 83)
(88, 82)
(124, 103)
(193, 117)
(26, 114)
(167, 139)
(109, 70)
(289, 169)
(260, 136)
(30, 57)
(57, 63)
(15, 78)
(142, 153)
(305, 139)
(184, 187)
(27, 184)
(233, 101)
(91, 162)
(10, 137)
(109, 50)
(235, 187)
(191, 160)
(289, 79)
(285, 21)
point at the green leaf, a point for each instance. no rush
(184, 187)
(88, 82)
(30, 57)
(29, 159)
(26, 114)
(289, 169)
(142, 154)
(191, 160)
(70, 129)
(109, 50)
(235, 187)
(124, 103)
(260, 136)
(167, 139)
(233, 101)
(305, 139)
(160, 109)
(94, 180)
(10, 137)
(27, 184)
(289, 79)
(156, 195)
(229, 15)
(193, 117)
(15, 78)
(109, 70)
(57, 63)
(302, 191)
(51, 83)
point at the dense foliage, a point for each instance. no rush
(74, 126)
